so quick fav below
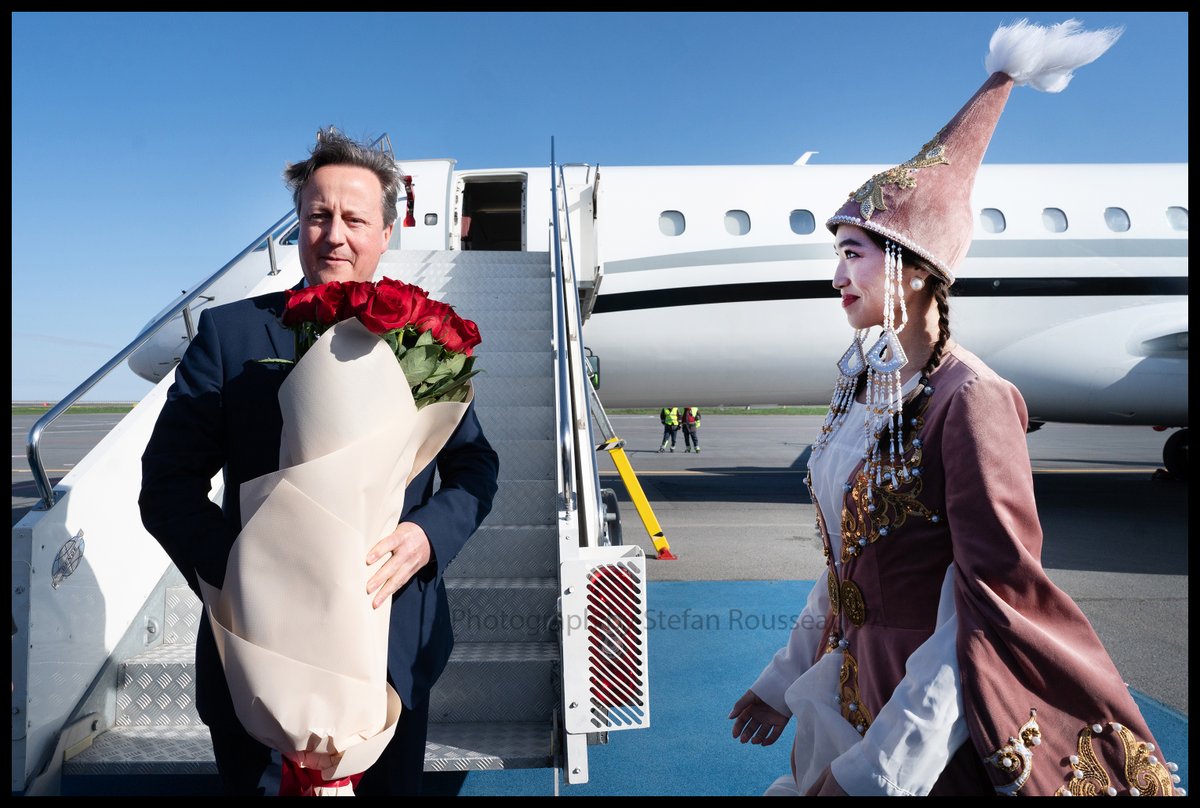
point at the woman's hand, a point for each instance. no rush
(755, 721)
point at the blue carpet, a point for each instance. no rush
(709, 640)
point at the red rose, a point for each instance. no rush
(393, 305)
(358, 295)
(460, 335)
(329, 302)
(433, 317)
(301, 307)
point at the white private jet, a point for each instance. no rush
(711, 284)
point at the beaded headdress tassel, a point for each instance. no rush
(884, 360)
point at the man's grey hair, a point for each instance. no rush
(335, 148)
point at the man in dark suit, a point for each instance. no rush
(222, 413)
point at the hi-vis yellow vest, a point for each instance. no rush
(671, 417)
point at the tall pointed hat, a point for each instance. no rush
(924, 204)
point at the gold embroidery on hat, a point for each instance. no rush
(852, 708)
(870, 193)
(853, 603)
(1015, 759)
(1143, 771)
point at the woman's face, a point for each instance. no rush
(860, 277)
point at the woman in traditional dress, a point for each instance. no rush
(937, 657)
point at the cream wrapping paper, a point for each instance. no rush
(305, 654)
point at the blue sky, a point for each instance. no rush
(148, 148)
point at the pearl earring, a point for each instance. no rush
(917, 284)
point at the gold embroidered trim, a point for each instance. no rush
(870, 194)
(1088, 777)
(1015, 759)
(831, 582)
(852, 708)
(894, 504)
(853, 603)
(852, 528)
(1143, 771)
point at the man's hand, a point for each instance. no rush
(755, 721)
(408, 548)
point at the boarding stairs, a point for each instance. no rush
(548, 615)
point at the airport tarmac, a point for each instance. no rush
(738, 518)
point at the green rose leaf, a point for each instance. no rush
(419, 362)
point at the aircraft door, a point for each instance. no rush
(490, 212)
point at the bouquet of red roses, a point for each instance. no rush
(381, 381)
(431, 341)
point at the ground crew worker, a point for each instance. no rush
(670, 421)
(690, 423)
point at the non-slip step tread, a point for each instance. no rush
(146, 750)
(132, 751)
(501, 583)
(488, 746)
(465, 652)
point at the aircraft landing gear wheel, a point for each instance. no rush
(1175, 454)
(612, 516)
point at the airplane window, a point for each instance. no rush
(430, 218)
(292, 238)
(289, 240)
(1177, 217)
(671, 223)
(1054, 220)
(737, 222)
(802, 222)
(992, 220)
(1116, 219)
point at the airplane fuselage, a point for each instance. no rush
(1089, 321)
(713, 283)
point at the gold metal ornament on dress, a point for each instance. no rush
(853, 603)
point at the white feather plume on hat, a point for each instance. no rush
(1046, 58)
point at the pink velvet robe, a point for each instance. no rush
(1046, 709)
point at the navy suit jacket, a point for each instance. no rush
(222, 412)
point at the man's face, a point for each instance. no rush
(342, 234)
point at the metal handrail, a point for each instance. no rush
(564, 410)
(584, 386)
(33, 442)
(32, 450)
